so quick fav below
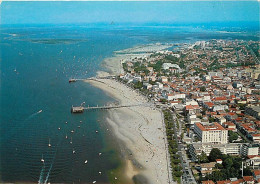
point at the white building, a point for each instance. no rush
(196, 149)
(249, 150)
(167, 66)
(160, 85)
(211, 133)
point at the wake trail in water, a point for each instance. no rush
(47, 177)
(41, 174)
(34, 114)
(48, 174)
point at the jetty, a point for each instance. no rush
(92, 78)
(81, 109)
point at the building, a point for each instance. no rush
(211, 133)
(253, 111)
(196, 149)
(206, 168)
(208, 182)
(254, 161)
(249, 150)
(167, 66)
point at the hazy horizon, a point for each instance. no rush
(132, 12)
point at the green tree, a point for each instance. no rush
(202, 88)
(227, 163)
(203, 158)
(215, 154)
(232, 136)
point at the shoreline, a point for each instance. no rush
(140, 129)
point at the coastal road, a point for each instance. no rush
(187, 177)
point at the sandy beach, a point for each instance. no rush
(140, 128)
(113, 65)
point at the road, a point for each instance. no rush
(187, 177)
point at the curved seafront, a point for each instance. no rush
(139, 129)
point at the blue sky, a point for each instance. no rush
(133, 12)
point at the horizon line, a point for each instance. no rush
(131, 0)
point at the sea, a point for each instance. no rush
(36, 64)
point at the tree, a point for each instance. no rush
(227, 163)
(215, 154)
(203, 158)
(232, 136)
(202, 88)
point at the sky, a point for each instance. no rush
(52, 12)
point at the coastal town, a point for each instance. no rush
(209, 93)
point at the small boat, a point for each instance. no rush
(86, 161)
(99, 172)
(96, 131)
(15, 70)
(42, 160)
(59, 128)
(115, 178)
(99, 154)
(78, 126)
(94, 181)
(71, 140)
(73, 151)
(72, 131)
(66, 122)
(66, 137)
(80, 121)
(72, 80)
(39, 111)
(49, 143)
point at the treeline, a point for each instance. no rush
(172, 146)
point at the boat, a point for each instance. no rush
(99, 154)
(49, 143)
(99, 172)
(86, 161)
(72, 131)
(72, 80)
(42, 160)
(78, 126)
(96, 131)
(66, 137)
(39, 111)
(59, 128)
(71, 140)
(73, 151)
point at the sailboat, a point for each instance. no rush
(49, 143)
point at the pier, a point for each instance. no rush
(81, 109)
(91, 78)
